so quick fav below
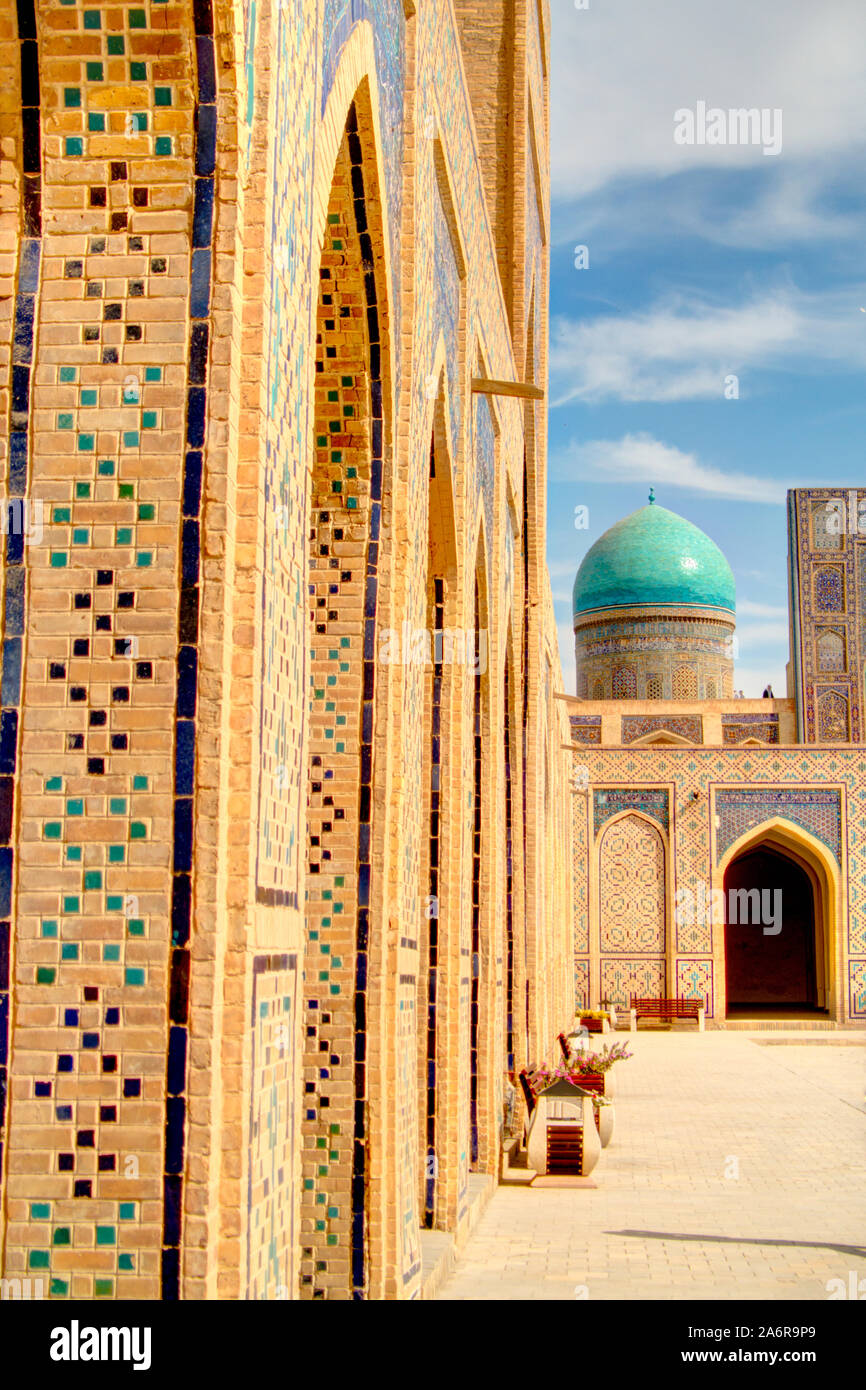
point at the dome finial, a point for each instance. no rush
(652, 496)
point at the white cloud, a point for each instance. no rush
(747, 609)
(684, 348)
(621, 69)
(641, 458)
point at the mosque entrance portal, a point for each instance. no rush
(772, 954)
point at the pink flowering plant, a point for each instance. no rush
(582, 1064)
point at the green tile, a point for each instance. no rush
(82, 490)
(115, 45)
(126, 1211)
(114, 902)
(71, 97)
(69, 950)
(75, 806)
(111, 952)
(45, 975)
(49, 929)
(65, 421)
(103, 1288)
(130, 439)
(40, 1211)
(92, 879)
(139, 782)
(153, 373)
(125, 490)
(73, 853)
(117, 805)
(162, 96)
(162, 144)
(61, 1236)
(105, 468)
(125, 1263)
(92, 19)
(89, 397)
(143, 559)
(54, 784)
(106, 1235)
(59, 1288)
(59, 515)
(148, 420)
(134, 975)
(138, 72)
(135, 926)
(137, 19)
(86, 443)
(52, 830)
(81, 535)
(116, 854)
(68, 373)
(38, 1259)
(58, 559)
(73, 145)
(137, 830)
(94, 72)
(95, 120)
(124, 535)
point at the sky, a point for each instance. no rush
(706, 262)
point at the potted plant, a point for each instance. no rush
(595, 1020)
(594, 1070)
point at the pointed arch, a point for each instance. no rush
(786, 838)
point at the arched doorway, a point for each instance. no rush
(774, 951)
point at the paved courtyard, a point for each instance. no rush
(737, 1170)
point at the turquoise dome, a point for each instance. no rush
(654, 558)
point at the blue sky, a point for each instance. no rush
(706, 261)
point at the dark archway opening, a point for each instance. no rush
(771, 950)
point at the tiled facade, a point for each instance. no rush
(700, 784)
(279, 912)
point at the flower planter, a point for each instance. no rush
(563, 1137)
(595, 1025)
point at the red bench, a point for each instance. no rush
(667, 1009)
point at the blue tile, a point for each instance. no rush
(184, 757)
(202, 216)
(176, 1065)
(199, 287)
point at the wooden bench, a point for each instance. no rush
(667, 1009)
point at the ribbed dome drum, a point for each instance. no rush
(654, 605)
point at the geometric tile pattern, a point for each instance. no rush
(632, 888)
(695, 980)
(622, 977)
(815, 809)
(634, 726)
(271, 1240)
(609, 801)
(784, 782)
(827, 525)
(737, 728)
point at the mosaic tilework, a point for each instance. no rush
(343, 580)
(741, 808)
(736, 728)
(581, 841)
(585, 728)
(694, 980)
(857, 989)
(581, 984)
(632, 888)
(485, 460)
(609, 801)
(636, 726)
(776, 777)
(620, 979)
(16, 481)
(388, 22)
(283, 677)
(449, 297)
(271, 1235)
(823, 522)
(833, 720)
(112, 396)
